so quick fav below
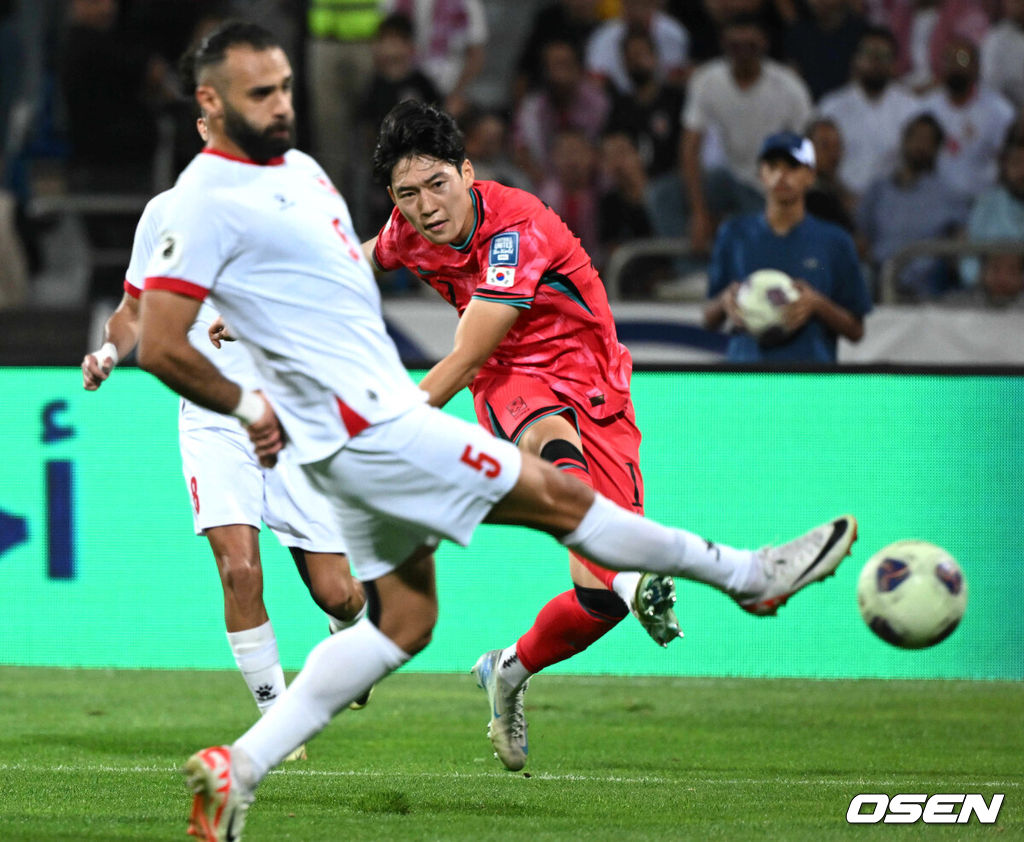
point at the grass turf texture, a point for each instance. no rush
(93, 755)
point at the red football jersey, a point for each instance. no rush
(520, 253)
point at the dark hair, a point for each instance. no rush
(396, 24)
(744, 19)
(883, 33)
(213, 48)
(414, 128)
(574, 47)
(930, 120)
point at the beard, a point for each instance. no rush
(259, 144)
(874, 85)
(959, 84)
(640, 77)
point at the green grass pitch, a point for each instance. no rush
(93, 755)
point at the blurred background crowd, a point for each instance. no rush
(639, 121)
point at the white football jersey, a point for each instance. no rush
(273, 246)
(232, 358)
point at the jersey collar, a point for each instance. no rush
(273, 162)
(478, 219)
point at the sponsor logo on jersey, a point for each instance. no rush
(504, 250)
(500, 276)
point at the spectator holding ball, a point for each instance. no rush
(820, 258)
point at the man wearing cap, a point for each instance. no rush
(819, 256)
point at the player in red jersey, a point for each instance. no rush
(536, 345)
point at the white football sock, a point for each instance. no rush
(336, 625)
(255, 652)
(624, 584)
(340, 668)
(621, 540)
(510, 668)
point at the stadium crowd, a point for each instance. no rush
(631, 118)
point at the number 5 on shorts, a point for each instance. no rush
(481, 462)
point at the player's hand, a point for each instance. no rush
(96, 368)
(218, 332)
(267, 435)
(799, 312)
(732, 309)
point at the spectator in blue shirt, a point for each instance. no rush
(819, 256)
(914, 203)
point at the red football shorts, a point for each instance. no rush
(508, 404)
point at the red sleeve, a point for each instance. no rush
(131, 289)
(386, 254)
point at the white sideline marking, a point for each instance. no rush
(685, 777)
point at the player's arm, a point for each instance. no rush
(482, 327)
(120, 335)
(812, 303)
(368, 248)
(164, 351)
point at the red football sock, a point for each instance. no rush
(562, 629)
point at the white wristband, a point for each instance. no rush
(109, 349)
(250, 408)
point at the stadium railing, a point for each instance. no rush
(88, 205)
(645, 247)
(888, 288)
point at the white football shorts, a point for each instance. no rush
(411, 481)
(227, 485)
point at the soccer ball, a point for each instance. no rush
(761, 299)
(912, 594)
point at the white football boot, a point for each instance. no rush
(796, 564)
(507, 727)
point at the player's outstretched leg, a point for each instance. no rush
(220, 802)
(507, 726)
(653, 605)
(813, 556)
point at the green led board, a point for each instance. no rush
(99, 566)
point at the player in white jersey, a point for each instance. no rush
(252, 226)
(231, 493)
